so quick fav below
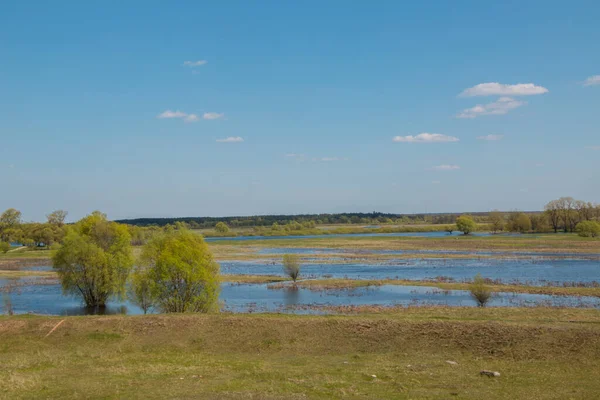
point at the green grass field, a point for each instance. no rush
(540, 353)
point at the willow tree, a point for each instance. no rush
(184, 276)
(465, 224)
(94, 260)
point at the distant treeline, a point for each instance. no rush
(343, 218)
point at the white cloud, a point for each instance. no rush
(499, 89)
(593, 147)
(592, 80)
(499, 107)
(213, 115)
(435, 182)
(425, 138)
(491, 137)
(191, 118)
(172, 114)
(445, 167)
(193, 64)
(539, 165)
(231, 139)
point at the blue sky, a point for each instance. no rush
(297, 107)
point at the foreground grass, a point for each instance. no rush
(541, 354)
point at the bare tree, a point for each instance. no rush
(57, 217)
(496, 221)
(553, 212)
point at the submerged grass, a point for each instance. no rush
(329, 284)
(541, 353)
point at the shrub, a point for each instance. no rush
(479, 291)
(291, 266)
(221, 227)
(588, 229)
(4, 247)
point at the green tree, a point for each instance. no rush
(465, 224)
(496, 221)
(291, 266)
(57, 217)
(10, 218)
(588, 229)
(94, 260)
(184, 274)
(9, 224)
(221, 227)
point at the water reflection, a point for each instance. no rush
(47, 299)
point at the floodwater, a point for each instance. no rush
(244, 298)
(531, 271)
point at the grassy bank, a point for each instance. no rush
(336, 230)
(555, 243)
(540, 353)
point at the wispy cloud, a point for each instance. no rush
(296, 156)
(445, 167)
(172, 114)
(189, 117)
(491, 138)
(539, 165)
(213, 115)
(592, 80)
(193, 64)
(593, 147)
(231, 139)
(425, 138)
(330, 159)
(435, 182)
(499, 107)
(499, 89)
(178, 114)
